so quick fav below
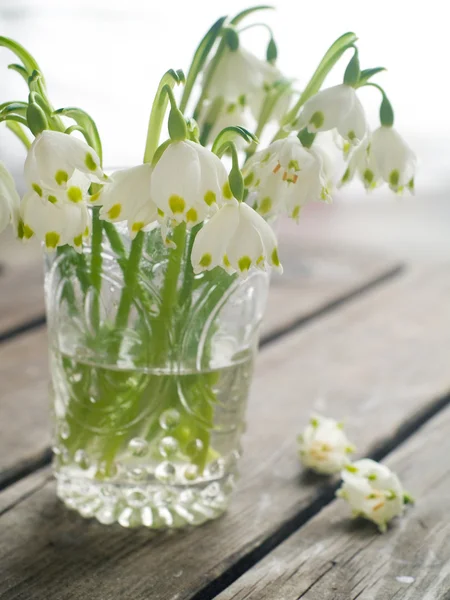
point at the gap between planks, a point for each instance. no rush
(325, 498)
(28, 465)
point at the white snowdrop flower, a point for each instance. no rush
(323, 446)
(188, 182)
(53, 224)
(76, 190)
(395, 161)
(285, 177)
(240, 74)
(236, 238)
(282, 105)
(362, 163)
(373, 492)
(335, 107)
(233, 114)
(9, 200)
(53, 158)
(127, 197)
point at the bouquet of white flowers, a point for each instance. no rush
(157, 275)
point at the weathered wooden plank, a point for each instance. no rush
(308, 289)
(21, 284)
(24, 428)
(334, 558)
(378, 360)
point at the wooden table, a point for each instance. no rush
(354, 335)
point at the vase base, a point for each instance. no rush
(154, 506)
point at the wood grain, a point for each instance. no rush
(381, 360)
(24, 427)
(21, 284)
(335, 558)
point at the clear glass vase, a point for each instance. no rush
(150, 371)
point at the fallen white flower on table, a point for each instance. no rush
(323, 446)
(373, 492)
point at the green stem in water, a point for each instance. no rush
(169, 292)
(130, 281)
(96, 265)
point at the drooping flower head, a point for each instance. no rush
(285, 177)
(384, 156)
(188, 182)
(373, 492)
(394, 160)
(237, 239)
(323, 446)
(127, 197)
(53, 224)
(240, 74)
(338, 108)
(54, 157)
(9, 200)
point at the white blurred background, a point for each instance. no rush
(107, 57)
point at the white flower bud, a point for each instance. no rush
(323, 446)
(373, 492)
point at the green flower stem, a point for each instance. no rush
(169, 293)
(116, 244)
(17, 129)
(199, 60)
(96, 265)
(130, 281)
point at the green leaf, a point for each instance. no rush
(199, 60)
(18, 107)
(28, 61)
(87, 123)
(331, 57)
(21, 70)
(160, 102)
(366, 74)
(229, 134)
(248, 11)
(17, 129)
